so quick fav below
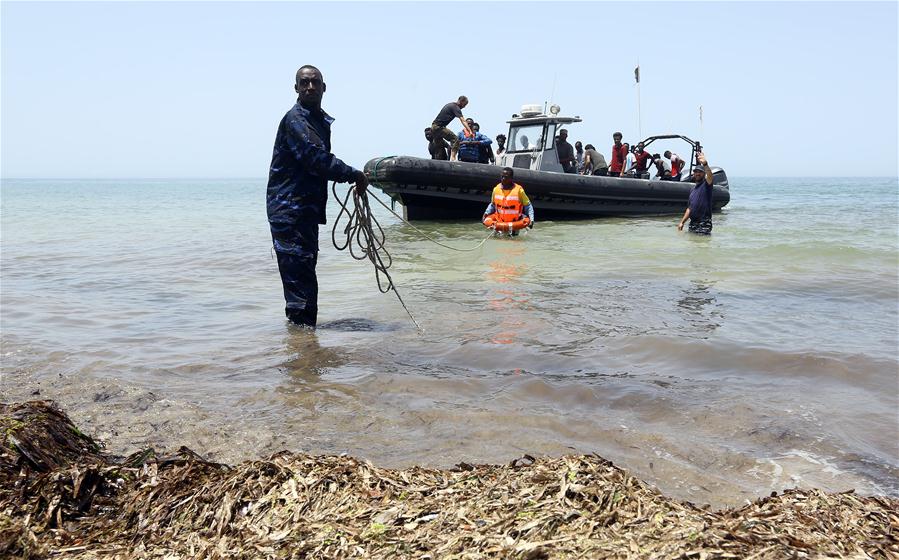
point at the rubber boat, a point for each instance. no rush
(431, 189)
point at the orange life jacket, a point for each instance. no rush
(507, 203)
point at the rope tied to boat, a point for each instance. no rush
(364, 237)
(428, 237)
(405, 221)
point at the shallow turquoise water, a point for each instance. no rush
(718, 368)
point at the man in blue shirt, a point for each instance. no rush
(302, 165)
(470, 147)
(699, 207)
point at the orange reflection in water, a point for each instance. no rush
(507, 301)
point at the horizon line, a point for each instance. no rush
(210, 177)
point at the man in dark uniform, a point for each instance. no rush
(446, 115)
(699, 206)
(302, 165)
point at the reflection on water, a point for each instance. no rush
(700, 306)
(306, 358)
(507, 300)
(358, 324)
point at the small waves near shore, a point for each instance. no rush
(718, 369)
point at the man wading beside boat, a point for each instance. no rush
(509, 203)
(302, 165)
(699, 207)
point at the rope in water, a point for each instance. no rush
(364, 236)
(365, 240)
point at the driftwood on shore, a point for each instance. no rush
(60, 496)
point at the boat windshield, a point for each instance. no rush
(526, 138)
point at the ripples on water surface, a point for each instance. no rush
(717, 368)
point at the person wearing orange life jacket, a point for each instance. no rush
(509, 200)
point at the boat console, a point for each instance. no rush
(531, 142)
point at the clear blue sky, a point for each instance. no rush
(197, 89)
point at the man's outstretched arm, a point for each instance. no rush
(709, 176)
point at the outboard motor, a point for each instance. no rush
(720, 178)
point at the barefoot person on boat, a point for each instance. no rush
(509, 209)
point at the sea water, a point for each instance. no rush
(717, 368)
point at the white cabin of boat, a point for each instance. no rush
(531, 142)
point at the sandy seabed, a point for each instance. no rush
(61, 496)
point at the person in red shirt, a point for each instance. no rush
(642, 159)
(619, 152)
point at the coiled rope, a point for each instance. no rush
(364, 241)
(364, 237)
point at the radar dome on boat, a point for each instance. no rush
(531, 110)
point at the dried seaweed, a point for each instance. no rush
(302, 506)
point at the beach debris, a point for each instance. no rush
(60, 496)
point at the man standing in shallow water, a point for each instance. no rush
(302, 165)
(699, 207)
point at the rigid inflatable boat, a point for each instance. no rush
(431, 189)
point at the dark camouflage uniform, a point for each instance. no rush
(302, 165)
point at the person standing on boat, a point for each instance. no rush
(594, 162)
(579, 156)
(500, 147)
(446, 115)
(509, 202)
(565, 151)
(302, 165)
(500, 144)
(629, 162)
(699, 206)
(619, 153)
